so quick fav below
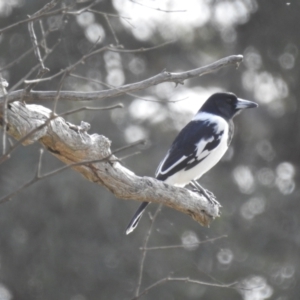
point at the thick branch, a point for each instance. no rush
(38, 96)
(71, 146)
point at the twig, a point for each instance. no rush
(42, 13)
(129, 155)
(112, 30)
(36, 47)
(38, 177)
(60, 85)
(22, 56)
(137, 291)
(129, 94)
(33, 70)
(34, 18)
(7, 154)
(139, 142)
(76, 110)
(45, 8)
(38, 171)
(86, 56)
(43, 70)
(158, 9)
(108, 14)
(79, 12)
(184, 246)
(38, 96)
(34, 41)
(185, 280)
(64, 77)
(43, 42)
(3, 92)
(126, 19)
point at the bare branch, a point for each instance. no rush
(43, 43)
(184, 246)
(129, 94)
(44, 12)
(26, 53)
(38, 96)
(76, 110)
(145, 250)
(36, 46)
(3, 92)
(92, 53)
(38, 171)
(43, 70)
(6, 154)
(46, 8)
(33, 69)
(63, 79)
(34, 18)
(25, 137)
(108, 14)
(184, 280)
(79, 12)
(112, 30)
(157, 8)
(38, 177)
(73, 147)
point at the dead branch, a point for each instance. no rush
(185, 280)
(29, 123)
(184, 246)
(144, 251)
(71, 146)
(178, 78)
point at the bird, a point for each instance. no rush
(199, 146)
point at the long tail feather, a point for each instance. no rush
(136, 217)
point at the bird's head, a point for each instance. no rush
(226, 105)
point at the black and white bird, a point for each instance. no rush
(198, 146)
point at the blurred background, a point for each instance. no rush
(64, 237)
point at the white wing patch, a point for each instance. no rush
(200, 146)
(159, 171)
(161, 164)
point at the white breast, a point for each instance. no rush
(183, 177)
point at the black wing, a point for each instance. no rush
(183, 152)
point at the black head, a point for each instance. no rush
(226, 105)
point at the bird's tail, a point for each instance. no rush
(136, 217)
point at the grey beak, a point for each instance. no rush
(242, 104)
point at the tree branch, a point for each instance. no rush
(31, 123)
(178, 78)
(142, 264)
(185, 280)
(71, 146)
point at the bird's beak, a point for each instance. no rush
(242, 104)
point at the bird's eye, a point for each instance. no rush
(229, 100)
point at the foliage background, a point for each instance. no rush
(63, 238)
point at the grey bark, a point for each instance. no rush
(72, 145)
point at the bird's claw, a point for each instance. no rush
(210, 194)
(213, 201)
(211, 198)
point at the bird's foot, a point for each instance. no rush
(204, 192)
(211, 194)
(211, 198)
